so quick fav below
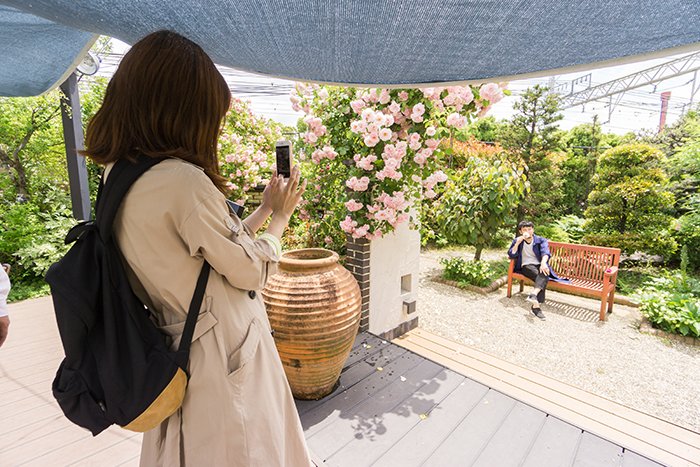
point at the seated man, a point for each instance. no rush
(531, 255)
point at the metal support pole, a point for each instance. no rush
(73, 136)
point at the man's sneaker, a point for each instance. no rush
(538, 312)
(532, 298)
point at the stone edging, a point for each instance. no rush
(480, 290)
(647, 328)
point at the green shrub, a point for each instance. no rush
(28, 289)
(552, 232)
(631, 279)
(479, 199)
(502, 238)
(31, 240)
(630, 203)
(573, 226)
(672, 303)
(479, 273)
(686, 231)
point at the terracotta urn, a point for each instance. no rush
(314, 307)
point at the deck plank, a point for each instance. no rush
(513, 439)
(632, 459)
(594, 451)
(85, 446)
(126, 450)
(420, 442)
(555, 445)
(328, 411)
(469, 438)
(354, 369)
(365, 420)
(398, 421)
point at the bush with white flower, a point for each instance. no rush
(378, 150)
(246, 149)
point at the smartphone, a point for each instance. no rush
(235, 208)
(283, 158)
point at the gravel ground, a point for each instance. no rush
(657, 376)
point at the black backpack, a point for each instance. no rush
(118, 367)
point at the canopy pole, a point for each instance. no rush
(73, 136)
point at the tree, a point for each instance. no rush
(630, 203)
(583, 144)
(21, 119)
(533, 135)
(485, 129)
(33, 166)
(479, 199)
(686, 129)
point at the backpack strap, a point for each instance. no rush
(122, 176)
(193, 312)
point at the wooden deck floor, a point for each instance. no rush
(396, 405)
(33, 430)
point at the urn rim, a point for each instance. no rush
(309, 258)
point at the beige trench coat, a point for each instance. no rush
(238, 409)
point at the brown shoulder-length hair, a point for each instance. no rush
(166, 99)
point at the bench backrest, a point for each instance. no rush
(582, 261)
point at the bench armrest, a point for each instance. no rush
(611, 271)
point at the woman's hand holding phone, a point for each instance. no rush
(283, 198)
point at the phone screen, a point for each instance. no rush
(283, 160)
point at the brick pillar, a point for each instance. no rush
(357, 262)
(255, 196)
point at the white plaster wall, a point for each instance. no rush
(392, 257)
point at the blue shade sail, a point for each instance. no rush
(36, 54)
(360, 42)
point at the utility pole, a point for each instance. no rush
(665, 97)
(595, 137)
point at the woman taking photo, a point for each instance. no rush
(167, 99)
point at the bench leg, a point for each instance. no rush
(611, 300)
(510, 286)
(522, 286)
(603, 307)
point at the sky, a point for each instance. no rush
(638, 109)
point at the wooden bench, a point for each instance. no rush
(591, 270)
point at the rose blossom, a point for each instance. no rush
(491, 92)
(365, 162)
(356, 184)
(353, 205)
(357, 105)
(385, 134)
(394, 108)
(348, 225)
(384, 97)
(371, 140)
(430, 131)
(368, 115)
(360, 231)
(358, 126)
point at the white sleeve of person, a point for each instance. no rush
(4, 291)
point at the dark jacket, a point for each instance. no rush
(540, 246)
